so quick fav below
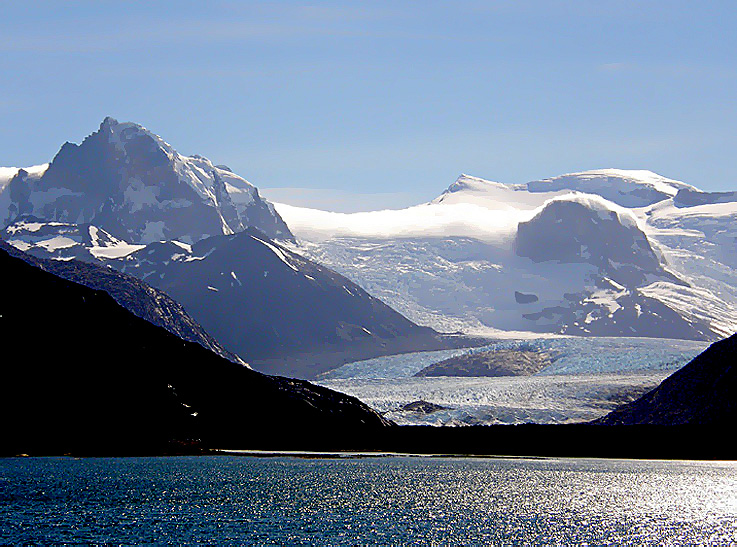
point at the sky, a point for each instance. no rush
(361, 105)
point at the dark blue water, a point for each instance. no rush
(375, 501)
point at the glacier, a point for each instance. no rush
(587, 378)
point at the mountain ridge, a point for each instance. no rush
(133, 184)
(703, 392)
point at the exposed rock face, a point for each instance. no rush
(702, 392)
(586, 231)
(132, 184)
(490, 363)
(422, 407)
(89, 376)
(628, 271)
(693, 198)
(523, 298)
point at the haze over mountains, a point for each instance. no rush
(604, 253)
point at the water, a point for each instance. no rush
(374, 501)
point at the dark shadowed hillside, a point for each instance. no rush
(134, 295)
(282, 313)
(702, 392)
(82, 374)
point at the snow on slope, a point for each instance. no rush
(130, 182)
(470, 207)
(427, 220)
(699, 243)
(629, 188)
(63, 241)
(455, 263)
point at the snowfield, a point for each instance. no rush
(620, 254)
(619, 276)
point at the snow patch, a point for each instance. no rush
(277, 252)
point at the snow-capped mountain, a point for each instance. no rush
(628, 188)
(129, 182)
(486, 257)
(276, 309)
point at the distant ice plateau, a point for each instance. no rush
(605, 253)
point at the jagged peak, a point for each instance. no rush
(109, 121)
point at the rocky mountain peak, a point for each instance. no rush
(130, 182)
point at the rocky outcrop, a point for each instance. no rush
(422, 407)
(129, 182)
(587, 230)
(692, 198)
(494, 363)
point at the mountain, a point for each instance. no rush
(82, 374)
(136, 296)
(587, 230)
(281, 312)
(8, 173)
(704, 392)
(628, 188)
(554, 256)
(130, 183)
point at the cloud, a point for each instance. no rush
(496, 226)
(338, 200)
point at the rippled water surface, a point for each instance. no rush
(384, 501)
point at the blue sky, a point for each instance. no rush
(382, 104)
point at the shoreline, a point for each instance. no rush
(530, 441)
